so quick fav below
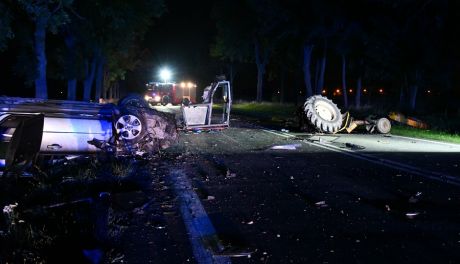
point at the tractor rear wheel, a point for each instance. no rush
(323, 114)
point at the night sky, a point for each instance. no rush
(180, 41)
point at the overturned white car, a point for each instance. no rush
(32, 127)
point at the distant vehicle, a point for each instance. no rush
(169, 92)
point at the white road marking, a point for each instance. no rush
(429, 141)
(196, 220)
(278, 133)
(433, 175)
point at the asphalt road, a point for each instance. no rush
(317, 198)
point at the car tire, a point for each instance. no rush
(165, 100)
(186, 101)
(323, 114)
(133, 100)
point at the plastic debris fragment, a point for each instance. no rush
(286, 147)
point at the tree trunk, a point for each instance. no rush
(344, 81)
(413, 96)
(282, 92)
(231, 70)
(260, 82)
(317, 71)
(71, 71)
(72, 89)
(413, 90)
(90, 69)
(358, 92)
(99, 79)
(402, 92)
(323, 70)
(261, 61)
(41, 90)
(307, 51)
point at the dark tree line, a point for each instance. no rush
(94, 42)
(411, 45)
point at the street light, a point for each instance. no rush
(165, 74)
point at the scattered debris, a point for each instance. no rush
(354, 146)
(230, 174)
(321, 204)
(387, 207)
(415, 198)
(285, 130)
(410, 121)
(210, 198)
(286, 147)
(412, 215)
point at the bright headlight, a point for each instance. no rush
(157, 98)
(147, 98)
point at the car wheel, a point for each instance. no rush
(166, 100)
(130, 126)
(133, 100)
(323, 114)
(186, 102)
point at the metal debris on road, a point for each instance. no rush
(415, 198)
(230, 174)
(354, 146)
(286, 147)
(321, 204)
(412, 215)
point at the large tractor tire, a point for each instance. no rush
(323, 114)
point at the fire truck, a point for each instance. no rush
(170, 92)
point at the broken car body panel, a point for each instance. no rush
(206, 115)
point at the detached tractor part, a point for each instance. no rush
(326, 117)
(381, 125)
(323, 114)
(409, 121)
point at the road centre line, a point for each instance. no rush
(196, 220)
(437, 176)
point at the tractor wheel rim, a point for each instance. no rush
(324, 110)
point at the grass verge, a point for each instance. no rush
(426, 134)
(275, 113)
(265, 111)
